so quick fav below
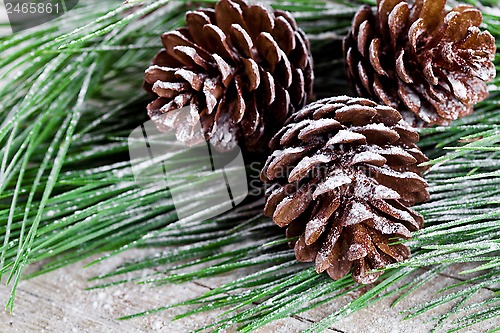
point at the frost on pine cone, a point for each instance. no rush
(429, 63)
(242, 70)
(342, 173)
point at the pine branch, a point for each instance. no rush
(76, 205)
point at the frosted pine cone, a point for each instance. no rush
(429, 63)
(242, 69)
(343, 171)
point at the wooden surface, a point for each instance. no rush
(57, 302)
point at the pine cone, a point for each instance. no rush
(431, 64)
(241, 69)
(343, 171)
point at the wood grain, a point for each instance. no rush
(57, 302)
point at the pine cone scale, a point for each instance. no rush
(228, 13)
(397, 19)
(316, 227)
(339, 266)
(374, 56)
(291, 207)
(284, 34)
(242, 41)
(258, 20)
(195, 21)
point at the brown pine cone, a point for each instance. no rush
(241, 69)
(429, 63)
(343, 171)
